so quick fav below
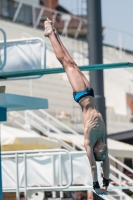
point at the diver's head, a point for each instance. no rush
(100, 151)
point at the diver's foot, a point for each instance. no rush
(48, 29)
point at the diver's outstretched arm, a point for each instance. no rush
(90, 155)
(106, 171)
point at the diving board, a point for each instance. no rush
(41, 72)
(13, 102)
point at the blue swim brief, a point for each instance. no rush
(79, 95)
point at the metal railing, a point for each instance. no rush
(44, 125)
(30, 154)
(37, 11)
(117, 123)
(121, 40)
(26, 154)
(31, 118)
(25, 41)
(4, 48)
(120, 179)
(121, 164)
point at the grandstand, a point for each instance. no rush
(117, 81)
(117, 84)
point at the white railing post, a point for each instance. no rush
(66, 18)
(17, 11)
(4, 48)
(78, 29)
(33, 15)
(53, 173)
(54, 17)
(25, 175)
(48, 128)
(17, 177)
(60, 176)
(38, 153)
(39, 17)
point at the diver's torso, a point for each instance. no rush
(94, 126)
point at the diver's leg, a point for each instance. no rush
(69, 57)
(69, 65)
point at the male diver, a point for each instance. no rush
(94, 126)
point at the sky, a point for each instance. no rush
(117, 17)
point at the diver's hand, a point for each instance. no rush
(101, 191)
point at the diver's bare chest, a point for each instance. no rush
(94, 128)
(94, 121)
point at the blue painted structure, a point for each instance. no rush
(12, 102)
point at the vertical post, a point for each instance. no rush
(17, 177)
(1, 6)
(3, 117)
(95, 52)
(33, 16)
(17, 11)
(53, 173)
(1, 193)
(60, 176)
(25, 175)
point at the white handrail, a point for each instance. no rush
(42, 9)
(58, 122)
(72, 131)
(75, 133)
(120, 163)
(26, 41)
(24, 154)
(120, 173)
(117, 189)
(4, 45)
(49, 9)
(71, 188)
(39, 127)
(64, 144)
(43, 130)
(53, 128)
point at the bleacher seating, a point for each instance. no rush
(56, 88)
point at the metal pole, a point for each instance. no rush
(95, 52)
(1, 6)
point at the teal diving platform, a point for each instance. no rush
(13, 102)
(34, 72)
